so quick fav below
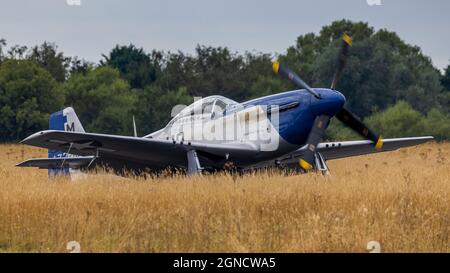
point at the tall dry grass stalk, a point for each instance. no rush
(400, 199)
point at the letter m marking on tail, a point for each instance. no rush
(70, 127)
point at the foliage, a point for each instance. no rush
(381, 70)
(151, 113)
(446, 79)
(28, 94)
(136, 66)
(400, 120)
(103, 101)
(437, 124)
(215, 71)
(54, 62)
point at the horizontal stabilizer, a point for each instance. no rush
(51, 163)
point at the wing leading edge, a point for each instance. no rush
(142, 151)
(337, 150)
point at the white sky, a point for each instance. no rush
(96, 26)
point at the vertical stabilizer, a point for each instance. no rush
(64, 120)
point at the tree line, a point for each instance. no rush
(390, 84)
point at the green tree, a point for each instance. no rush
(216, 70)
(437, 124)
(381, 69)
(337, 131)
(179, 70)
(400, 120)
(102, 100)
(261, 79)
(17, 52)
(303, 56)
(49, 58)
(79, 66)
(153, 109)
(445, 80)
(444, 97)
(28, 94)
(137, 67)
(2, 45)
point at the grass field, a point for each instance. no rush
(400, 199)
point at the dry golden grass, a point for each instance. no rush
(400, 199)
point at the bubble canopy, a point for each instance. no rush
(206, 108)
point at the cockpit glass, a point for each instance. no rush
(205, 109)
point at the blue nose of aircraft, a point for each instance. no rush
(330, 103)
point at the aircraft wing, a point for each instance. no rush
(142, 151)
(60, 162)
(336, 150)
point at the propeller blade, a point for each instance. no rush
(315, 136)
(347, 42)
(294, 78)
(354, 123)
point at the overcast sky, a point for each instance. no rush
(96, 26)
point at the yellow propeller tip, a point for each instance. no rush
(305, 165)
(347, 39)
(275, 67)
(379, 144)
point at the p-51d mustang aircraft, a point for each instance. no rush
(217, 133)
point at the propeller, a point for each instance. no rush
(321, 122)
(344, 115)
(354, 123)
(294, 78)
(347, 42)
(316, 134)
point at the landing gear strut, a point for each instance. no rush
(321, 164)
(194, 166)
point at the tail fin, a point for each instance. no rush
(64, 120)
